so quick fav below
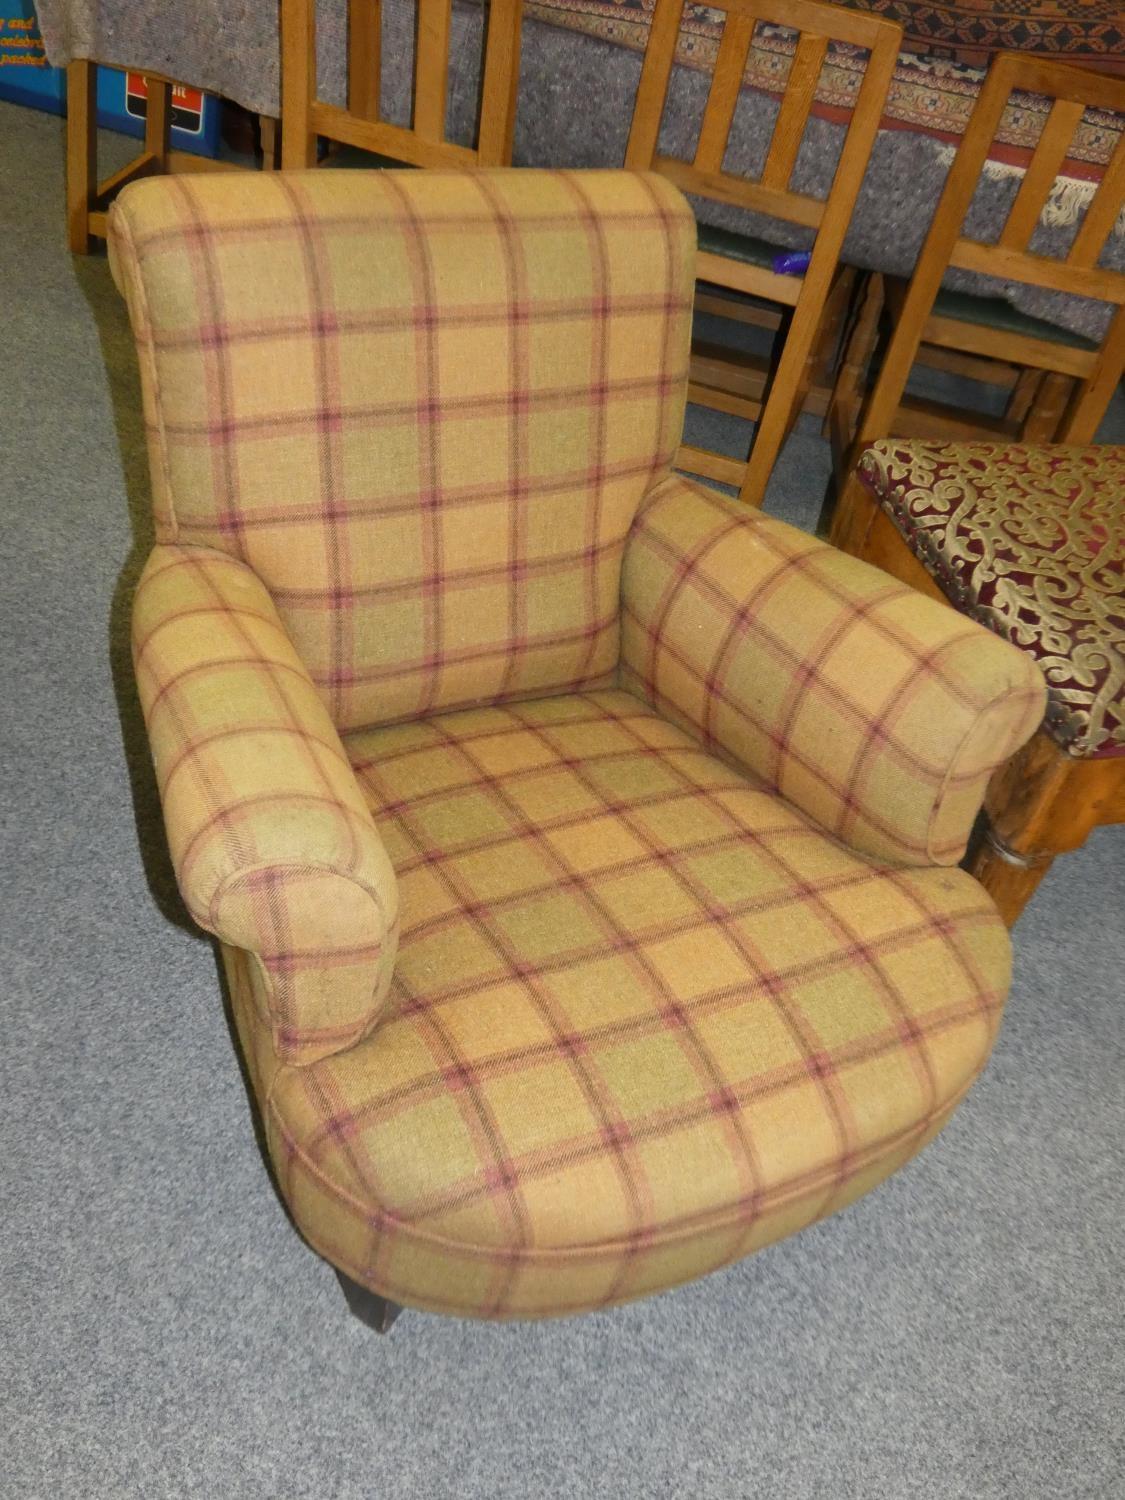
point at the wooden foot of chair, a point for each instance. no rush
(371, 1309)
(81, 152)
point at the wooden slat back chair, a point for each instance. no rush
(1081, 372)
(423, 144)
(770, 193)
(88, 200)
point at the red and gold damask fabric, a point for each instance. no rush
(1031, 542)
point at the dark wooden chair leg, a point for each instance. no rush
(375, 1311)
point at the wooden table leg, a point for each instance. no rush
(1009, 877)
(1042, 803)
(81, 151)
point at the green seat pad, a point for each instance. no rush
(741, 247)
(995, 312)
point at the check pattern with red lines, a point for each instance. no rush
(867, 706)
(645, 1018)
(678, 967)
(422, 406)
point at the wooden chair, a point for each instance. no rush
(305, 117)
(87, 198)
(1060, 383)
(726, 264)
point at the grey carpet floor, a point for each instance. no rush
(959, 1333)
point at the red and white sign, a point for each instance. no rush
(187, 104)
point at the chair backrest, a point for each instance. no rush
(1011, 257)
(423, 407)
(305, 116)
(769, 193)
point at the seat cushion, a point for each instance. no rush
(645, 1018)
(1031, 542)
(746, 248)
(999, 314)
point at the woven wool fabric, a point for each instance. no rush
(422, 406)
(411, 438)
(273, 845)
(1030, 541)
(645, 1018)
(860, 702)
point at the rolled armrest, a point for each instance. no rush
(878, 712)
(273, 846)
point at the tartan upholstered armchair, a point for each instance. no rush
(582, 846)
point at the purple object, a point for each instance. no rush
(792, 263)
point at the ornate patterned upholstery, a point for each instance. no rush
(655, 952)
(1031, 542)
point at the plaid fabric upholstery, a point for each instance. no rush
(272, 843)
(422, 406)
(877, 712)
(646, 1015)
(645, 1018)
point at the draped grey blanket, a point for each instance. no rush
(575, 101)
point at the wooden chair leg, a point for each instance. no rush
(822, 356)
(158, 120)
(1051, 398)
(375, 1312)
(1022, 399)
(269, 140)
(81, 152)
(861, 337)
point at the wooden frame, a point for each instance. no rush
(819, 290)
(304, 116)
(1039, 804)
(87, 199)
(1059, 393)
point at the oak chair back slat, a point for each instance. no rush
(1011, 257)
(423, 143)
(769, 193)
(1101, 215)
(726, 84)
(365, 50)
(1045, 165)
(431, 69)
(800, 91)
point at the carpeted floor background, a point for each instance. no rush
(163, 1333)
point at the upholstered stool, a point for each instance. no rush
(1031, 542)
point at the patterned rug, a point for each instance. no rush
(930, 94)
(1088, 32)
